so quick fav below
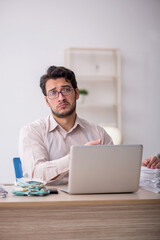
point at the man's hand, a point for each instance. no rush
(96, 142)
(152, 162)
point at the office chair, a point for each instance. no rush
(18, 167)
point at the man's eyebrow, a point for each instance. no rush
(62, 86)
(66, 85)
(52, 89)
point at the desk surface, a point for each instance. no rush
(95, 216)
(140, 197)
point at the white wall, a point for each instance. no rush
(33, 36)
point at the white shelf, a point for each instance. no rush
(92, 107)
(98, 70)
(93, 49)
(96, 78)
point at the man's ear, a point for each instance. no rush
(77, 93)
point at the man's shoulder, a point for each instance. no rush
(37, 125)
(88, 124)
(96, 129)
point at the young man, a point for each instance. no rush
(44, 145)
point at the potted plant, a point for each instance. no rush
(82, 94)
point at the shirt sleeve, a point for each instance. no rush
(106, 139)
(35, 159)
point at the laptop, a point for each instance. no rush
(104, 169)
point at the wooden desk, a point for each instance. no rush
(63, 216)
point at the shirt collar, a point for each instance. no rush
(78, 122)
(53, 124)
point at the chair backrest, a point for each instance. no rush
(18, 167)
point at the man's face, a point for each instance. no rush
(62, 106)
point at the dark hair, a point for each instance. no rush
(54, 72)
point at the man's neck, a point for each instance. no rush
(67, 122)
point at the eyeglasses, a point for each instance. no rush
(55, 94)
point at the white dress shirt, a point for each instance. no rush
(44, 146)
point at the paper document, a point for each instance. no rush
(150, 179)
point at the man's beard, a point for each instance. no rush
(65, 114)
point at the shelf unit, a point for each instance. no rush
(99, 71)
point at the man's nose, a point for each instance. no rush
(60, 96)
